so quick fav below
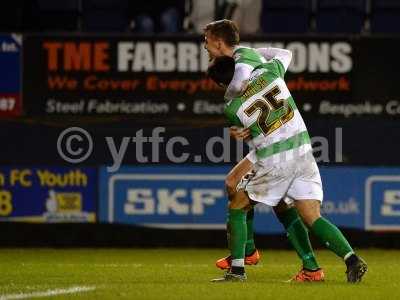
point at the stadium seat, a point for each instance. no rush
(285, 16)
(59, 15)
(105, 15)
(340, 16)
(385, 16)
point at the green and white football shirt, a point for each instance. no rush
(268, 110)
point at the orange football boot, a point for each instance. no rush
(225, 262)
(309, 276)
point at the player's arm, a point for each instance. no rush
(283, 55)
(239, 81)
(244, 134)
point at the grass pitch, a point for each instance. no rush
(182, 274)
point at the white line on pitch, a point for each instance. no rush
(48, 293)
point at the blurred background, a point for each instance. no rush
(111, 135)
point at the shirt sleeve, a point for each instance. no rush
(283, 55)
(239, 80)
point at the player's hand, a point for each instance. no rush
(240, 133)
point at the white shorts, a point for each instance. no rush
(298, 179)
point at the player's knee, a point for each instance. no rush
(309, 210)
(236, 205)
(309, 216)
(239, 201)
(308, 220)
(230, 185)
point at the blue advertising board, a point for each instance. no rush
(191, 197)
(10, 74)
(48, 194)
(165, 197)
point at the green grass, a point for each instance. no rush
(185, 274)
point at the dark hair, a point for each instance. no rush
(225, 30)
(221, 70)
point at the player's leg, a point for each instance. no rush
(306, 189)
(235, 180)
(331, 237)
(252, 257)
(237, 236)
(238, 228)
(238, 176)
(297, 234)
(251, 252)
(328, 233)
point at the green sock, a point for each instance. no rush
(250, 245)
(331, 237)
(228, 233)
(238, 234)
(298, 236)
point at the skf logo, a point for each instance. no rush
(391, 203)
(382, 203)
(167, 201)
